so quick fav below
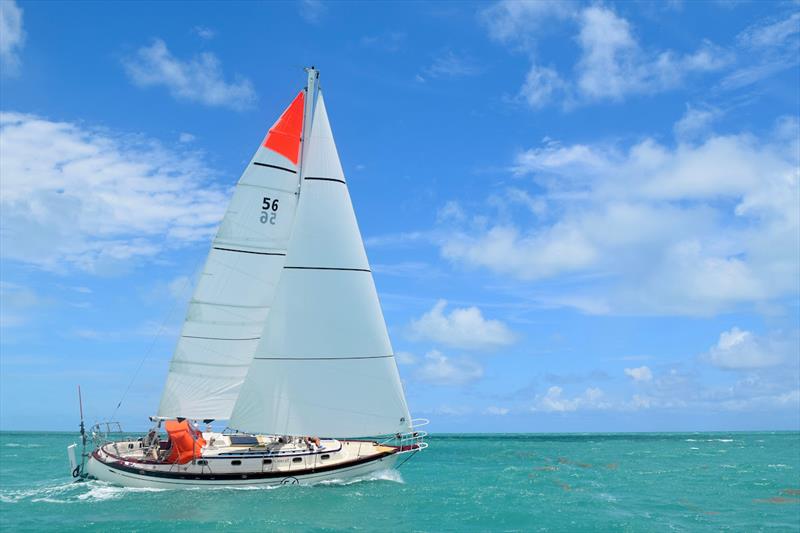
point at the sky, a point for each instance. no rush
(580, 216)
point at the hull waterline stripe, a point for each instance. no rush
(248, 251)
(337, 180)
(329, 268)
(322, 358)
(220, 338)
(275, 167)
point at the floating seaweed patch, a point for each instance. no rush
(696, 508)
(779, 500)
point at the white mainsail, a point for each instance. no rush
(324, 364)
(233, 296)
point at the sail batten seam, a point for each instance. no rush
(337, 180)
(323, 358)
(328, 268)
(275, 167)
(248, 251)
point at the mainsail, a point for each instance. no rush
(232, 299)
(324, 364)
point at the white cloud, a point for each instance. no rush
(450, 65)
(439, 369)
(74, 196)
(462, 328)
(611, 65)
(496, 411)
(542, 86)
(555, 401)
(12, 36)
(186, 137)
(516, 22)
(739, 349)
(766, 48)
(312, 11)
(695, 122)
(639, 374)
(204, 32)
(17, 304)
(197, 80)
(694, 228)
(767, 34)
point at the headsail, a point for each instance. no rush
(324, 365)
(232, 299)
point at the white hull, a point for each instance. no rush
(260, 461)
(102, 472)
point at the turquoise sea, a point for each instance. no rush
(510, 482)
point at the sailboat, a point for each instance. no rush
(284, 338)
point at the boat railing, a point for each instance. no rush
(105, 432)
(412, 440)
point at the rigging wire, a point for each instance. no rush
(187, 283)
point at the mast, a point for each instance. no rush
(312, 88)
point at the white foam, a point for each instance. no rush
(380, 475)
(101, 492)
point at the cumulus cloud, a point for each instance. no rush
(639, 374)
(554, 400)
(12, 36)
(464, 328)
(77, 197)
(438, 369)
(740, 349)
(519, 23)
(199, 79)
(612, 64)
(695, 122)
(693, 228)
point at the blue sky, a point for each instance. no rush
(581, 217)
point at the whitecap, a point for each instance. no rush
(102, 492)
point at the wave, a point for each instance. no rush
(71, 492)
(380, 475)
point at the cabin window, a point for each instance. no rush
(236, 462)
(297, 459)
(202, 462)
(325, 456)
(130, 446)
(267, 461)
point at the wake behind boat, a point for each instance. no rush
(284, 338)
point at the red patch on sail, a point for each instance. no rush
(284, 135)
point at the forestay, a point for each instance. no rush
(233, 296)
(324, 365)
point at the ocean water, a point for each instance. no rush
(592, 482)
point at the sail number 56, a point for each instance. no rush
(269, 209)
